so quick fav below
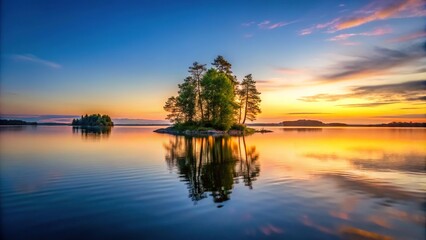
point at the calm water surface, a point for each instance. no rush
(131, 183)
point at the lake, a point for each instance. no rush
(131, 183)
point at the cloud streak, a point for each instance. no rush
(404, 116)
(382, 10)
(375, 104)
(378, 10)
(412, 91)
(380, 61)
(267, 24)
(33, 59)
(376, 32)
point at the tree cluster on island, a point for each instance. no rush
(214, 98)
(93, 120)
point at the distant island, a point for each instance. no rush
(213, 102)
(93, 120)
(316, 123)
(15, 122)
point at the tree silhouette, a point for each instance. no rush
(197, 71)
(250, 98)
(94, 120)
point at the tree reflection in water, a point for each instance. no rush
(93, 133)
(212, 164)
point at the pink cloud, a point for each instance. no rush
(342, 36)
(277, 25)
(306, 31)
(375, 32)
(401, 8)
(378, 10)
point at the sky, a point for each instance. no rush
(336, 61)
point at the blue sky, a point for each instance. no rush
(124, 58)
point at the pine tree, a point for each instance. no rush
(197, 71)
(250, 97)
(224, 66)
(186, 99)
(175, 113)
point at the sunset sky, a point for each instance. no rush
(337, 61)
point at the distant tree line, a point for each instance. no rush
(15, 122)
(93, 120)
(316, 123)
(214, 98)
(403, 124)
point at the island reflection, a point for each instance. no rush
(92, 133)
(212, 165)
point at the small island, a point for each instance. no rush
(93, 120)
(213, 102)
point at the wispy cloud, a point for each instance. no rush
(380, 10)
(374, 104)
(279, 24)
(412, 36)
(412, 91)
(267, 24)
(379, 62)
(34, 59)
(403, 116)
(305, 31)
(375, 32)
(377, 10)
(310, 30)
(264, 24)
(324, 97)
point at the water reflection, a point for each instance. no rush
(212, 165)
(337, 183)
(94, 133)
(16, 128)
(302, 129)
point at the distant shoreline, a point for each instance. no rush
(269, 125)
(298, 123)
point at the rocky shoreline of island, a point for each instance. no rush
(210, 132)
